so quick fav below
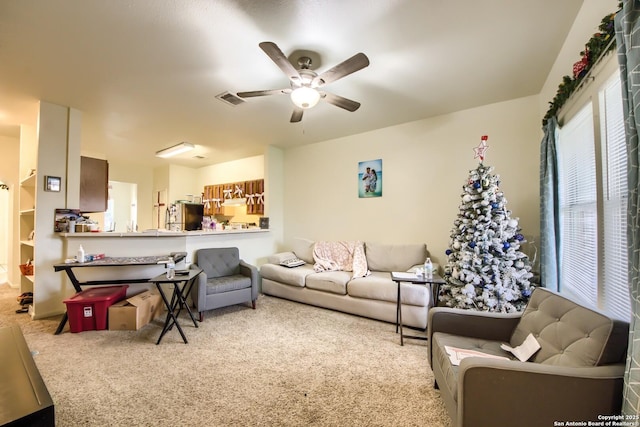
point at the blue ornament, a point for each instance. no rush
(506, 245)
(448, 252)
(526, 293)
(472, 245)
(494, 205)
(476, 184)
(519, 237)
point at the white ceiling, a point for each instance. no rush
(145, 73)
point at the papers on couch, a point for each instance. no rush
(457, 354)
(525, 350)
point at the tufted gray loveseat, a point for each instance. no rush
(577, 374)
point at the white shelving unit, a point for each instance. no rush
(27, 228)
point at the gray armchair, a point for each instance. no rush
(577, 374)
(225, 280)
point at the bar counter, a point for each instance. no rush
(163, 233)
(254, 244)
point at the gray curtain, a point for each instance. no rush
(549, 229)
(628, 43)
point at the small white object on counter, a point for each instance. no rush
(80, 255)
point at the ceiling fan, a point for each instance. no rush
(305, 83)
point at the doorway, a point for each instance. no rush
(122, 207)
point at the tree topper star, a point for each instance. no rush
(481, 148)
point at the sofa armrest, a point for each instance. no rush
(469, 323)
(251, 271)
(546, 393)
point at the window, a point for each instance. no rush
(592, 181)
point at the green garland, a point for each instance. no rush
(595, 47)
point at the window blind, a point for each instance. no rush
(614, 261)
(578, 208)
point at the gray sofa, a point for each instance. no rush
(373, 296)
(577, 374)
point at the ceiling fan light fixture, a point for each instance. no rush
(305, 97)
(183, 147)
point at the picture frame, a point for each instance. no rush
(370, 178)
(52, 183)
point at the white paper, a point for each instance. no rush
(403, 275)
(457, 354)
(525, 350)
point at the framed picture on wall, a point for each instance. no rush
(370, 178)
(52, 183)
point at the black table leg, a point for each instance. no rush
(400, 316)
(171, 317)
(397, 306)
(63, 322)
(183, 299)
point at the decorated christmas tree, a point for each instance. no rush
(486, 270)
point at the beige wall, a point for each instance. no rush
(58, 154)
(246, 169)
(425, 163)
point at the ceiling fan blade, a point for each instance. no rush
(351, 65)
(297, 115)
(340, 101)
(251, 94)
(276, 55)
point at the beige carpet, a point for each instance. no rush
(283, 364)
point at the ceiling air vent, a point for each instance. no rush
(231, 99)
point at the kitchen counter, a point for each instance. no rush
(255, 244)
(164, 233)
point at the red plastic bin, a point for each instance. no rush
(87, 310)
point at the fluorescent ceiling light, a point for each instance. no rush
(176, 149)
(235, 202)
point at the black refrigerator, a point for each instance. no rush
(185, 216)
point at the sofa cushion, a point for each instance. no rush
(329, 281)
(441, 358)
(379, 286)
(303, 248)
(290, 276)
(218, 285)
(383, 257)
(570, 334)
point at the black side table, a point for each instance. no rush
(434, 288)
(182, 284)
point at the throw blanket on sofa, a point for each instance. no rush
(340, 256)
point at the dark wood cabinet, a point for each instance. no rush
(94, 184)
(252, 191)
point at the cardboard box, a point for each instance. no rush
(133, 313)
